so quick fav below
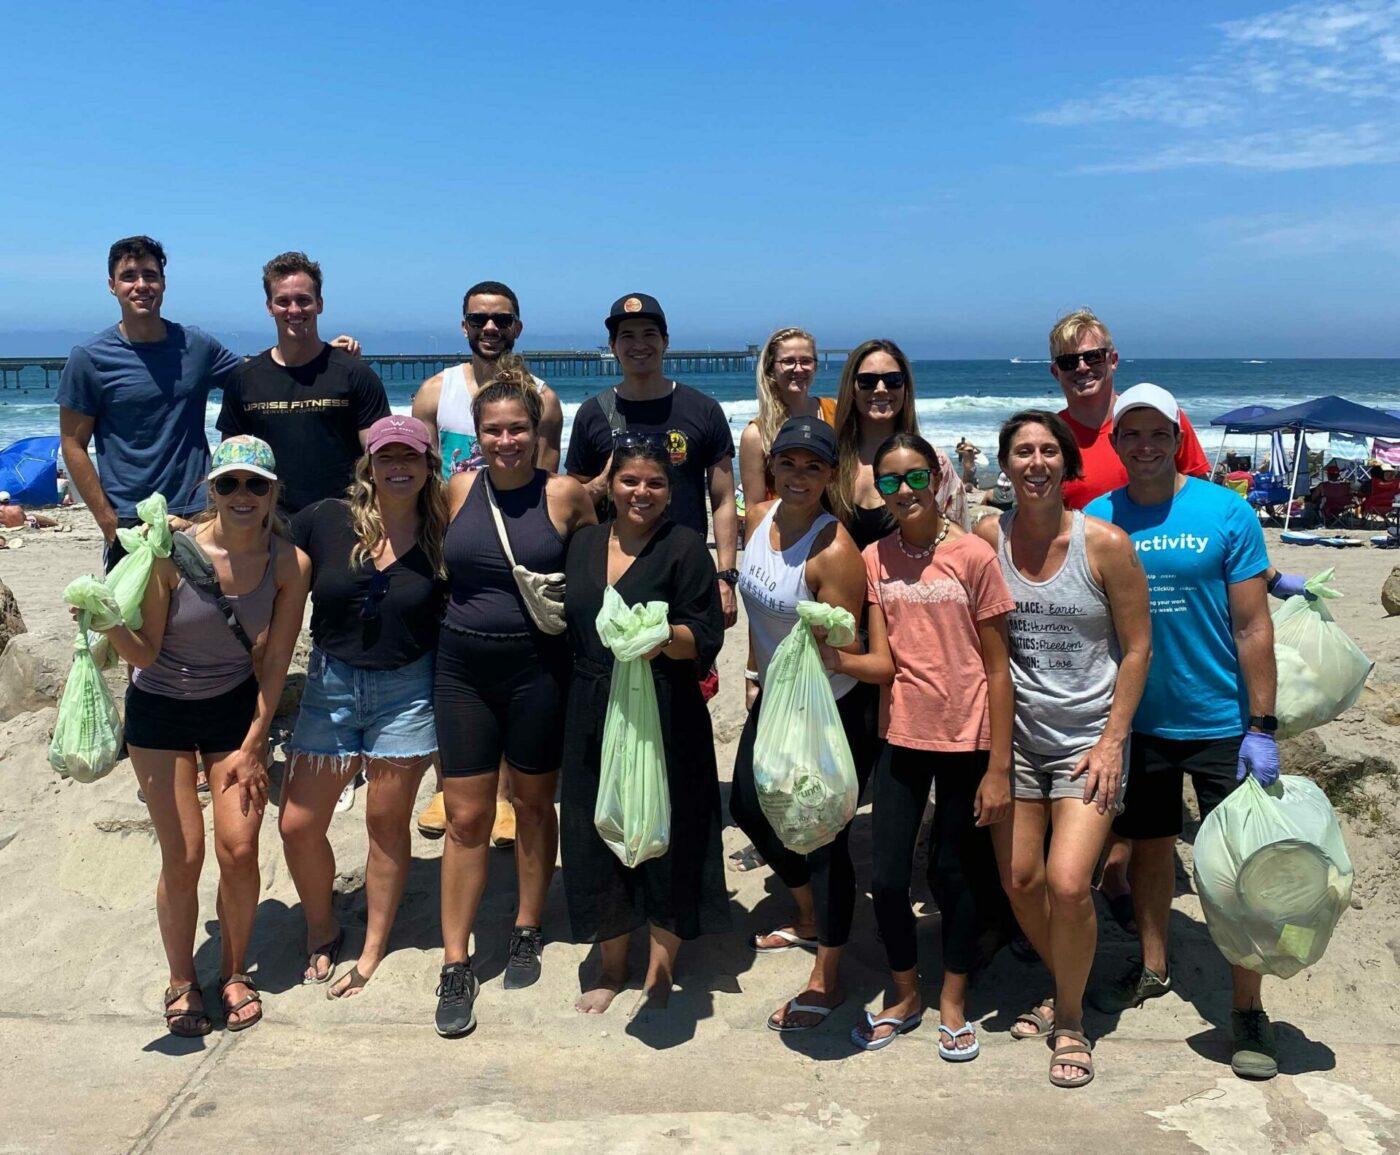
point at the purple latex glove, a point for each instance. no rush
(1287, 585)
(1258, 756)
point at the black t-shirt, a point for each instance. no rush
(691, 425)
(410, 611)
(311, 415)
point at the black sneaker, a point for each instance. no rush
(523, 957)
(1132, 988)
(1255, 1052)
(457, 991)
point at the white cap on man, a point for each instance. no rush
(1146, 396)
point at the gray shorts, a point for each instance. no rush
(1045, 777)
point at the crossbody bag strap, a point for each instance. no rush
(607, 402)
(208, 580)
(498, 519)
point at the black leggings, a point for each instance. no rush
(829, 870)
(962, 870)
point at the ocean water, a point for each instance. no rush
(953, 398)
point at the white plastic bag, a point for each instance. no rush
(802, 765)
(1273, 874)
(1321, 671)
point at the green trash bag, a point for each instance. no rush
(1321, 671)
(88, 733)
(129, 577)
(633, 811)
(802, 765)
(1273, 874)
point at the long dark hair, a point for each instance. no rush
(911, 441)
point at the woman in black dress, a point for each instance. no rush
(680, 895)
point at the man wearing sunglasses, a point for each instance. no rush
(491, 323)
(690, 424)
(312, 402)
(1083, 360)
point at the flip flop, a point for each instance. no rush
(793, 1007)
(1086, 1064)
(901, 1027)
(951, 1052)
(332, 952)
(357, 982)
(1033, 1018)
(790, 942)
(742, 861)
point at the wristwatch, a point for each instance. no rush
(730, 576)
(1266, 723)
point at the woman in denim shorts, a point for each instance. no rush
(376, 598)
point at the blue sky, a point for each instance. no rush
(1217, 179)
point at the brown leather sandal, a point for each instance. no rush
(230, 1023)
(203, 1024)
(357, 982)
(1061, 1059)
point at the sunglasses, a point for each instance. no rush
(1066, 362)
(227, 486)
(378, 587)
(478, 320)
(638, 441)
(892, 381)
(915, 479)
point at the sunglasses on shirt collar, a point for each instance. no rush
(378, 587)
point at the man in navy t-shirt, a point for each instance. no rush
(1207, 709)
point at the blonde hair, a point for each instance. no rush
(842, 490)
(512, 381)
(1069, 330)
(771, 410)
(369, 526)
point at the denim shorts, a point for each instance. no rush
(378, 713)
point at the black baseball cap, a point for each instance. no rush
(635, 305)
(809, 433)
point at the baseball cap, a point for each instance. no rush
(1146, 396)
(809, 433)
(398, 430)
(245, 454)
(635, 305)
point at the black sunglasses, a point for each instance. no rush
(1066, 362)
(478, 320)
(638, 441)
(227, 486)
(378, 587)
(892, 380)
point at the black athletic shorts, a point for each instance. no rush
(500, 694)
(1157, 767)
(210, 725)
(113, 551)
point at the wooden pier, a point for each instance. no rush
(42, 373)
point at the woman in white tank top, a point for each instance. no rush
(796, 551)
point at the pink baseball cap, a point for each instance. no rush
(397, 430)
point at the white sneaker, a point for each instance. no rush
(347, 796)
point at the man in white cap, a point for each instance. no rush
(1208, 707)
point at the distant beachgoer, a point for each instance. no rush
(680, 895)
(1208, 707)
(1081, 640)
(937, 609)
(799, 552)
(206, 687)
(376, 601)
(500, 684)
(876, 399)
(13, 515)
(312, 402)
(785, 369)
(967, 458)
(690, 424)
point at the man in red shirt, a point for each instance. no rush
(1082, 361)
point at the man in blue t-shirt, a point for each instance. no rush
(1207, 709)
(139, 389)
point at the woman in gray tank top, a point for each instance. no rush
(1081, 640)
(210, 664)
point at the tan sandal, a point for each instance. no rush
(230, 1023)
(1060, 1059)
(203, 1024)
(1033, 1018)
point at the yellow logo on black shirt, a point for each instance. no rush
(677, 446)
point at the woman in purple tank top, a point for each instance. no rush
(205, 690)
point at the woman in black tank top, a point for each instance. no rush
(499, 689)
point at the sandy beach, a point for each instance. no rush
(86, 1064)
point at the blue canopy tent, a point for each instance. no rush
(1227, 420)
(29, 471)
(1330, 414)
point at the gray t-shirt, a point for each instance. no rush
(148, 399)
